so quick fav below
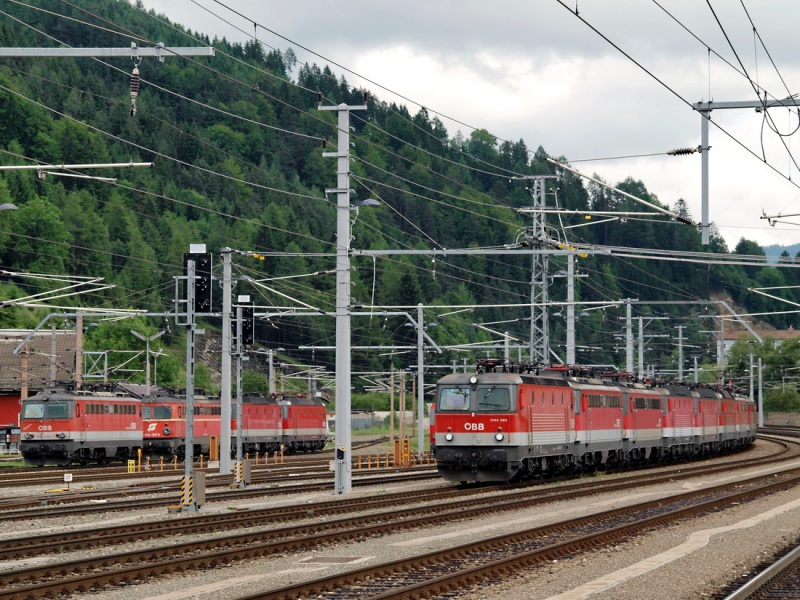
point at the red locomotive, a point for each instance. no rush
(305, 425)
(62, 426)
(502, 426)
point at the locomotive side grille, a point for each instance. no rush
(540, 422)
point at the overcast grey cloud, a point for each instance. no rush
(534, 71)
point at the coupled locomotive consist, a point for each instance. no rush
(503, 426)
(295, 423)
(65, 426)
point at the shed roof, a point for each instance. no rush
(40, 358)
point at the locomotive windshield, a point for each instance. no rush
(39, 410)
(156, 412)
(454, 399)
(493, 399)
(33, 410)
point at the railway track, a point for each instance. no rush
(89, 502)
(448, 571)
(16, 476)
(43, 544)
(93, 500)
(467, 562)
(777, 579)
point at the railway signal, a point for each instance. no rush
(202, 282)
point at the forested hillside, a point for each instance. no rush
(237, 143)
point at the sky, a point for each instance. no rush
(536, 71)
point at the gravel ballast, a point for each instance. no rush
(685, 564)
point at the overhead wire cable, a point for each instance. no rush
(129, 33)
(755, 87)
(673, 92)
(286, 131)
(710, 50)
(371, 124)
(385, 150)
(445, 194)
(157, 153)
(154, 117)
(162, 196)
(764, 46)
(336, 64)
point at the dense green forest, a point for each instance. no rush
(237, 143)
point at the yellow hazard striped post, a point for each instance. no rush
(187, 492)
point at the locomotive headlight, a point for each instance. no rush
(61, 436)
(449, 435)
(473, 380)
(499, 436)
(28, 436)
(166, 431)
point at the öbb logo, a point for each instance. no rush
(473, 426)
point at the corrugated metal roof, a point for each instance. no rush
(40, 358)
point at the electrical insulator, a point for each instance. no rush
(134, 90)
(681, 151)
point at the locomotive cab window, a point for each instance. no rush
(494, 399)
(454, 399)
(33, 410)
(56, 411)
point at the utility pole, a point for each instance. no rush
(225, 383)
(271, 374)
(571, 308)
(680, 329)
(239, 358)
(343, 453)
(79, 351)
(188, 501)
(420, 384)
(629, 335)
(760, 392)
(53, 351)
(641, 340)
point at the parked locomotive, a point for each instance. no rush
(295, 423)
(503, 426)
(64, 426)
